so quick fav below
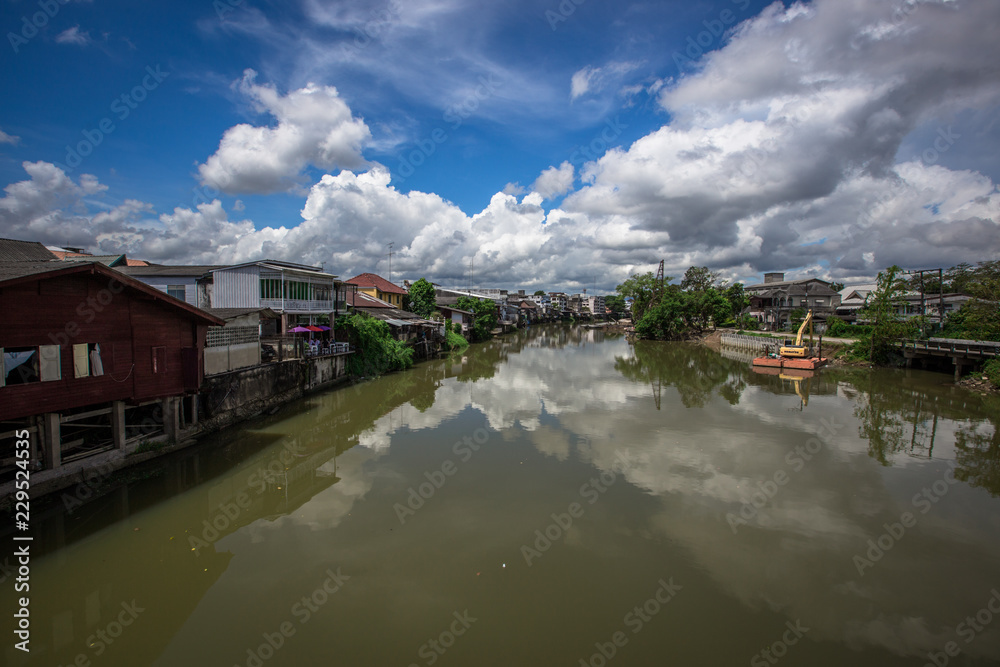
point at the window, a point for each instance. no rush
(322, 292)
(20, 365)
(270, 288)
(49, 363)
(23, 365)
(81, 360)
(159, 359)
(87, 360)
(176, 291)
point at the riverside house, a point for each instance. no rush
(299, 294)
(96, 359)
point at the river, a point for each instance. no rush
(553, 497)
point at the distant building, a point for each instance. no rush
(380, 288)
(773, 301)
(500, 296)
(463, 318)
(855, 297)
(189, 283)
(559, 301)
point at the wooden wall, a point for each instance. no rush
(127, 323)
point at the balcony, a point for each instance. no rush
(302, 306)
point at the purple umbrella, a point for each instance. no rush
(299, 330)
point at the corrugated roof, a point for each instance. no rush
(12, 250)
(378, 282)
(17, 272)
(113, 261)
(168, 270)
(362, 300)
(15, 269)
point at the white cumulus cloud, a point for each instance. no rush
(314, 127)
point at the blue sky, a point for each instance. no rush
(545, 142)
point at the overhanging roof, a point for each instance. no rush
(16, 273)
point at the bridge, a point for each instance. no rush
(964, 353)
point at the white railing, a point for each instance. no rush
(299, 304)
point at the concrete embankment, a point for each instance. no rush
(224, 400)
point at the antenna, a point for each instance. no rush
(390, 260)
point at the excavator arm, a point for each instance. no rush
(806, 322)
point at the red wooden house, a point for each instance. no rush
(83, 346)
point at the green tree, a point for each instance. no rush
(641, 287)
(485, 321)
(882, 310)
(616, 303)
(681, 315)
(422, 298)
(738, 300)
(698, 279)
(836, 287)
(539, 292)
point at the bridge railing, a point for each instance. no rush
(952, 347)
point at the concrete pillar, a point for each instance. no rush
(118, 423)
(194, 399)
(52, 440)
(171, 418)
(958, 368)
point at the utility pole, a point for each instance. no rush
(921, 273)
(391, 243)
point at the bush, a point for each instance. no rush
(377, 352)
(455, 341)
(991, 369)
(837, 328)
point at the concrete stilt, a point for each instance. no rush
(118, 424)
(172, 418)
(52, 440)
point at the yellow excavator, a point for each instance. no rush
(798, 350)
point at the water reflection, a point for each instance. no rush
(233, 534)
(902, 413)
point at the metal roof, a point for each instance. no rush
(19, 272)
(12, 270)
(168, 270)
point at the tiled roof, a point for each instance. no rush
(24, 251)
(378, 282)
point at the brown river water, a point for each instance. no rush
(557, 496)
